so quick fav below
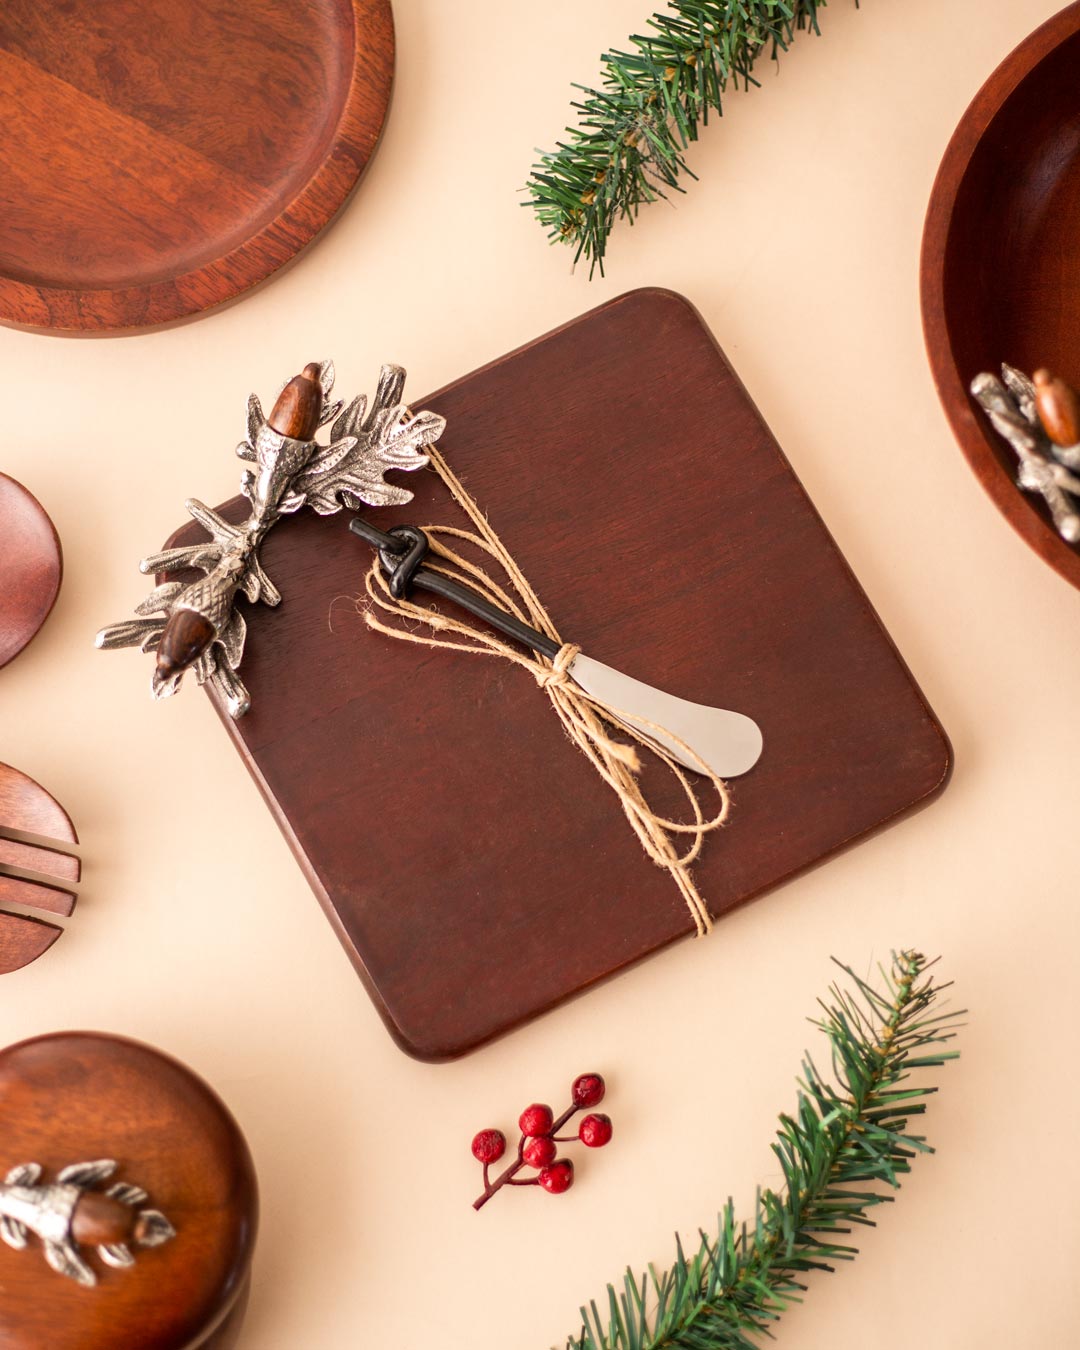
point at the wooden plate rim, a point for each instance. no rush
(79, 312)
(1021, 511)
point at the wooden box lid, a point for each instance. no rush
(475, 867)
(79, 1097)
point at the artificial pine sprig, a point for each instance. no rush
(629, 144)
(837, 1148)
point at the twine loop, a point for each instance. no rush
(595, 727)
(556, 675)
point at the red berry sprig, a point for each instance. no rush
(538, 1146)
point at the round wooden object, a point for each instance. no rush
(81, 1096)
(26, 807)
(31, 567)
(159, 159)
(1001, 256)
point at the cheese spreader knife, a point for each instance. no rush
(729, 743)
(194, 623)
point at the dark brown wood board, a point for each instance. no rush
(446, 824)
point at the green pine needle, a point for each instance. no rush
(839, 1150)
(629, 144)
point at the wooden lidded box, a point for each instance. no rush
(128, 1202)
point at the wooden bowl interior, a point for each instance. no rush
(1012, 264)
(1001, 260)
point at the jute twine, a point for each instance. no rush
(589, 722)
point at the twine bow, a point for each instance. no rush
(594, 726)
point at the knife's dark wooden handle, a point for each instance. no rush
(396, 551)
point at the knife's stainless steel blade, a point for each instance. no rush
(728, 742)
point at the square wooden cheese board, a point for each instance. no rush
(443, 819)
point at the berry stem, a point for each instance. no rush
(506, 1177)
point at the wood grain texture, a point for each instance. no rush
(31, 567)
(42, 877)
(23, 939)
(40, 893)
(17, 853)
(77, 1096)
(162, 159)
(26, 806)
(443, 819)
(1001, 256)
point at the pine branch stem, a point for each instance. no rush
(830, 1148)
(855, 1108)
(629, 144)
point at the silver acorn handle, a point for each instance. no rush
(73, 1216)
(197, 624)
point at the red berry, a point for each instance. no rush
(536, 1120)
(540, 1152)
(595, 1131)
(489, 1146)
(588, 1090)
(558, 1177)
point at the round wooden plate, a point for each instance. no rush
(159, 159)
(1001, 255)
(31, 567)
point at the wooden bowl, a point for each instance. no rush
(1001, 256)
(162, 158)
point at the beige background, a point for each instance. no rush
(196, 930)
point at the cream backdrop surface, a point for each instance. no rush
(196, 930)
